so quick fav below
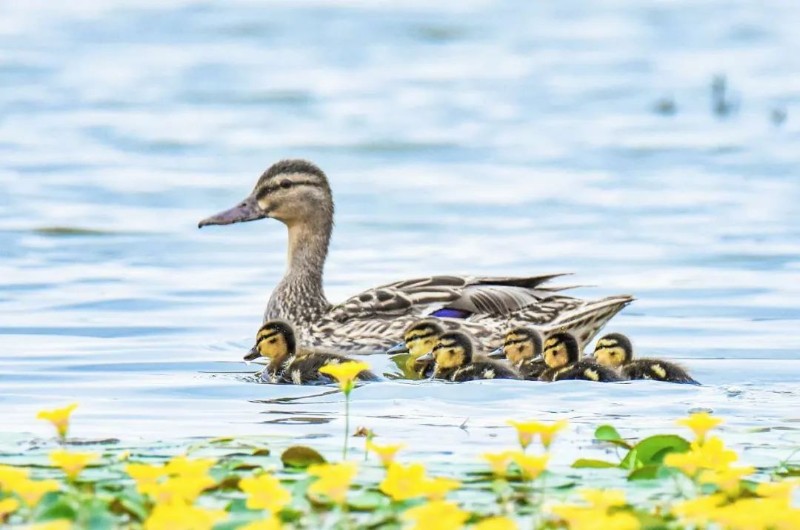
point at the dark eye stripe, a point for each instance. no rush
(515, 341)
(420, 337)
(263, 192)
(262, 338)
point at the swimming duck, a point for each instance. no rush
(562, 355)
(297, 193)
(456, 361)
(523, 349)
(616, 351)
(276, 341)
(419, 339)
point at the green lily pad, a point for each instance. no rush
(607, 433)
(589, 463)
(300, 457)
(652, 450)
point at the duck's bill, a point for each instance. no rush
(247, 210)
(428, 357)
(252, 355)
(497, 353)
(397, 348)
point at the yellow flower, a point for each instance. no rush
(404, 482)
(496, 523)
(436, 515)
(180, 516)
(177, 489)
(546, 432)
(757, 514)
(264, 492)
(59, 418)
(531, 466)
(604, 498)
(385, 452)
(8, 506)
(182, 466)
(700, 423)
(710, 454)
(498, 462)
(583, 518)
(333, 480)
(11, 476)
(345, 373)
(273, 523)
(32, 491)
(777, 490)
(145, 475)
(728, 480)
(72, 463)
(437, 488)
(698, 511)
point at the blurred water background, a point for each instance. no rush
(502, 137)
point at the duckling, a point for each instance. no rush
(418, 339)
(523, 349)
(562, 356)
(616, 351)
(277, 342)
(455, 360)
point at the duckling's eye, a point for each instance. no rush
(273, 340)
(286, 184)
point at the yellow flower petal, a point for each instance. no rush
(72, 463)
(333, 480)
(273, 523)
(345, 373)
(498, 462)
(8, 506)
(32, 491)
(530, 466)
(181, 516)
(436, 515)
(700, 423)
(59, 418)
(386, 453)
(10, 476)
(265, 492)
(496, 523)
(546, 432)
(604, 499)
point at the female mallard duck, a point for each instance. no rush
(455, 359)
(562, 355)
(276, 341)
(523, 349)
(616, 351)
(297, 193)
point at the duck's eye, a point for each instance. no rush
(273, 340)
(286, 184)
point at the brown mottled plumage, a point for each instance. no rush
(297, 193)
(616, 351)
(276, 341)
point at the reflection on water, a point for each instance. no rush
(475, 137)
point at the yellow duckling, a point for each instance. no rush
(418, 339)
(455, 360)
(562, 356)
(276, 341)
(523, 349)
(616, 351)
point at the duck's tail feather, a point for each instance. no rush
(585, 322)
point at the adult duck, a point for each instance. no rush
(297, 193)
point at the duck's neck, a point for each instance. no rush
(300, 297)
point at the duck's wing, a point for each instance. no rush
(461, 294)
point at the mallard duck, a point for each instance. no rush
(523, 349)
(276, 342)
(419, 339)
(297, 193)
(616, 351)
(562, 355)
(455, 359)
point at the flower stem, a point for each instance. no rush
(346, 424)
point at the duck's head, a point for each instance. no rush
(613, 350)
(453, 349)
(421, 336)
(275, 340)
(520, 344)
(291, 191)
(561, 349)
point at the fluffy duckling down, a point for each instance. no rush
(616, 351)
(562, 356)
(522, 347)
(418, 340)
(276, 341)
(455, 359)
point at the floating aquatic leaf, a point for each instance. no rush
(300, 457)
(652, 450)
(584, 463)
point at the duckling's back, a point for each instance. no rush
(584, 370)
(531, 369)
(658, 370)
(304, 368)
(483, 369)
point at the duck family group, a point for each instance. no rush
(447, 327)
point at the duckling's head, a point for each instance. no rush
(521, 344)
(613, 350)
(275, 340)
(421, 336)
(561, 349)
(291, 191)
(453, 349)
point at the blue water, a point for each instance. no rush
(459, 137)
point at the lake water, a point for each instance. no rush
(459, 137)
